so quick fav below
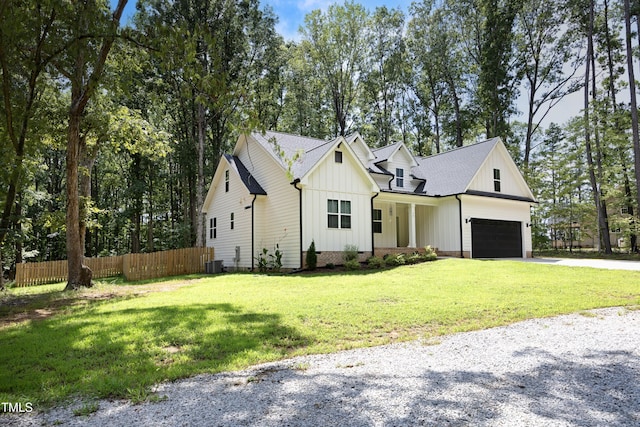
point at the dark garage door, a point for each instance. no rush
(496, 239)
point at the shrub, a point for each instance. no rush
(395, 260)
(312, 257)
(415, 258)
(352, 265)
(330, 265)
(430, 254)
(350, 253)
(375, 262)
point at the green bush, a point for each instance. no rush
(395, 260)
(330, 265)
(415, 258)
(352, 265)
(429, 254)
(312, 257)
(375, 262)
(350, 253)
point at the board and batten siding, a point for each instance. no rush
(496, 209)
(386, 239)
(220, 207)
(440, 225)
(346, 181)
(511, 181)
(276, 215)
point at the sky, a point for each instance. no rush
(291, 13)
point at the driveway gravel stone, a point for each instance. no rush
(574, 370)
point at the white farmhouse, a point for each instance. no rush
(288, 190)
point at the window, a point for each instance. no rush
(232, 220)
(213, 228)
(338, 156)
(496, 180)
(226, 181)
(377, 220)
(399, 177)
(338, 213)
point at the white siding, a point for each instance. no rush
(498, 209)
(511, 181)
(386, 239)
(338, 181)
(220, 207)
(361, 151)
(403, 160)
(276, 215)
(440, 226)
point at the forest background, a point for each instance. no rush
(110, 132)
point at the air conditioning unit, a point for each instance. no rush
(214, 267)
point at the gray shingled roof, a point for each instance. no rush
(311, 149)
(249, 181)
(451, 172)
(445, 174)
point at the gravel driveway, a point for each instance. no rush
(574, 370)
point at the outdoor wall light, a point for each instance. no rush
(467, 220)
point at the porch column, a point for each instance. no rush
(412, 225)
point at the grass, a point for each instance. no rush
(142, 334)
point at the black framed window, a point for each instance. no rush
(377, 221)
(496, 180)
(399, 177)
(338, 156)
(338, 213)
(226, 181)
(213, 228)
(232, 220)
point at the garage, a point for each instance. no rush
(496, 239)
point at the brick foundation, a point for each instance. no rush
(334, 257)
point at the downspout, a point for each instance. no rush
(253, 231)
(295, 185)
(373, 245)
(460, 215)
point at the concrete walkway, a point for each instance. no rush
(593, 263)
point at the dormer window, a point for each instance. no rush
(226, 181)
(338, 156)
(496, 180)
(399, 177)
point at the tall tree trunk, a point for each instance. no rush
(82, 89)
(79, 274)
(150, 224)
(632, 94)
(201, 124)
(603, 216)
(587, 127)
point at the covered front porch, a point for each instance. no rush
(403, 223)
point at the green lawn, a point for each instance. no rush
(119, 347)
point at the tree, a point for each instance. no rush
(26, 41)
(84, 71)
(546, 45)
(335, 42)
(498, 73)
(634, 103)
(383, 77)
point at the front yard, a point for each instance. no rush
(117, 340)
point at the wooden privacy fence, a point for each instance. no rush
(133, 266)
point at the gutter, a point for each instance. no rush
(373, 245)
(295, 185)
(253, 231)
(460, 215)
